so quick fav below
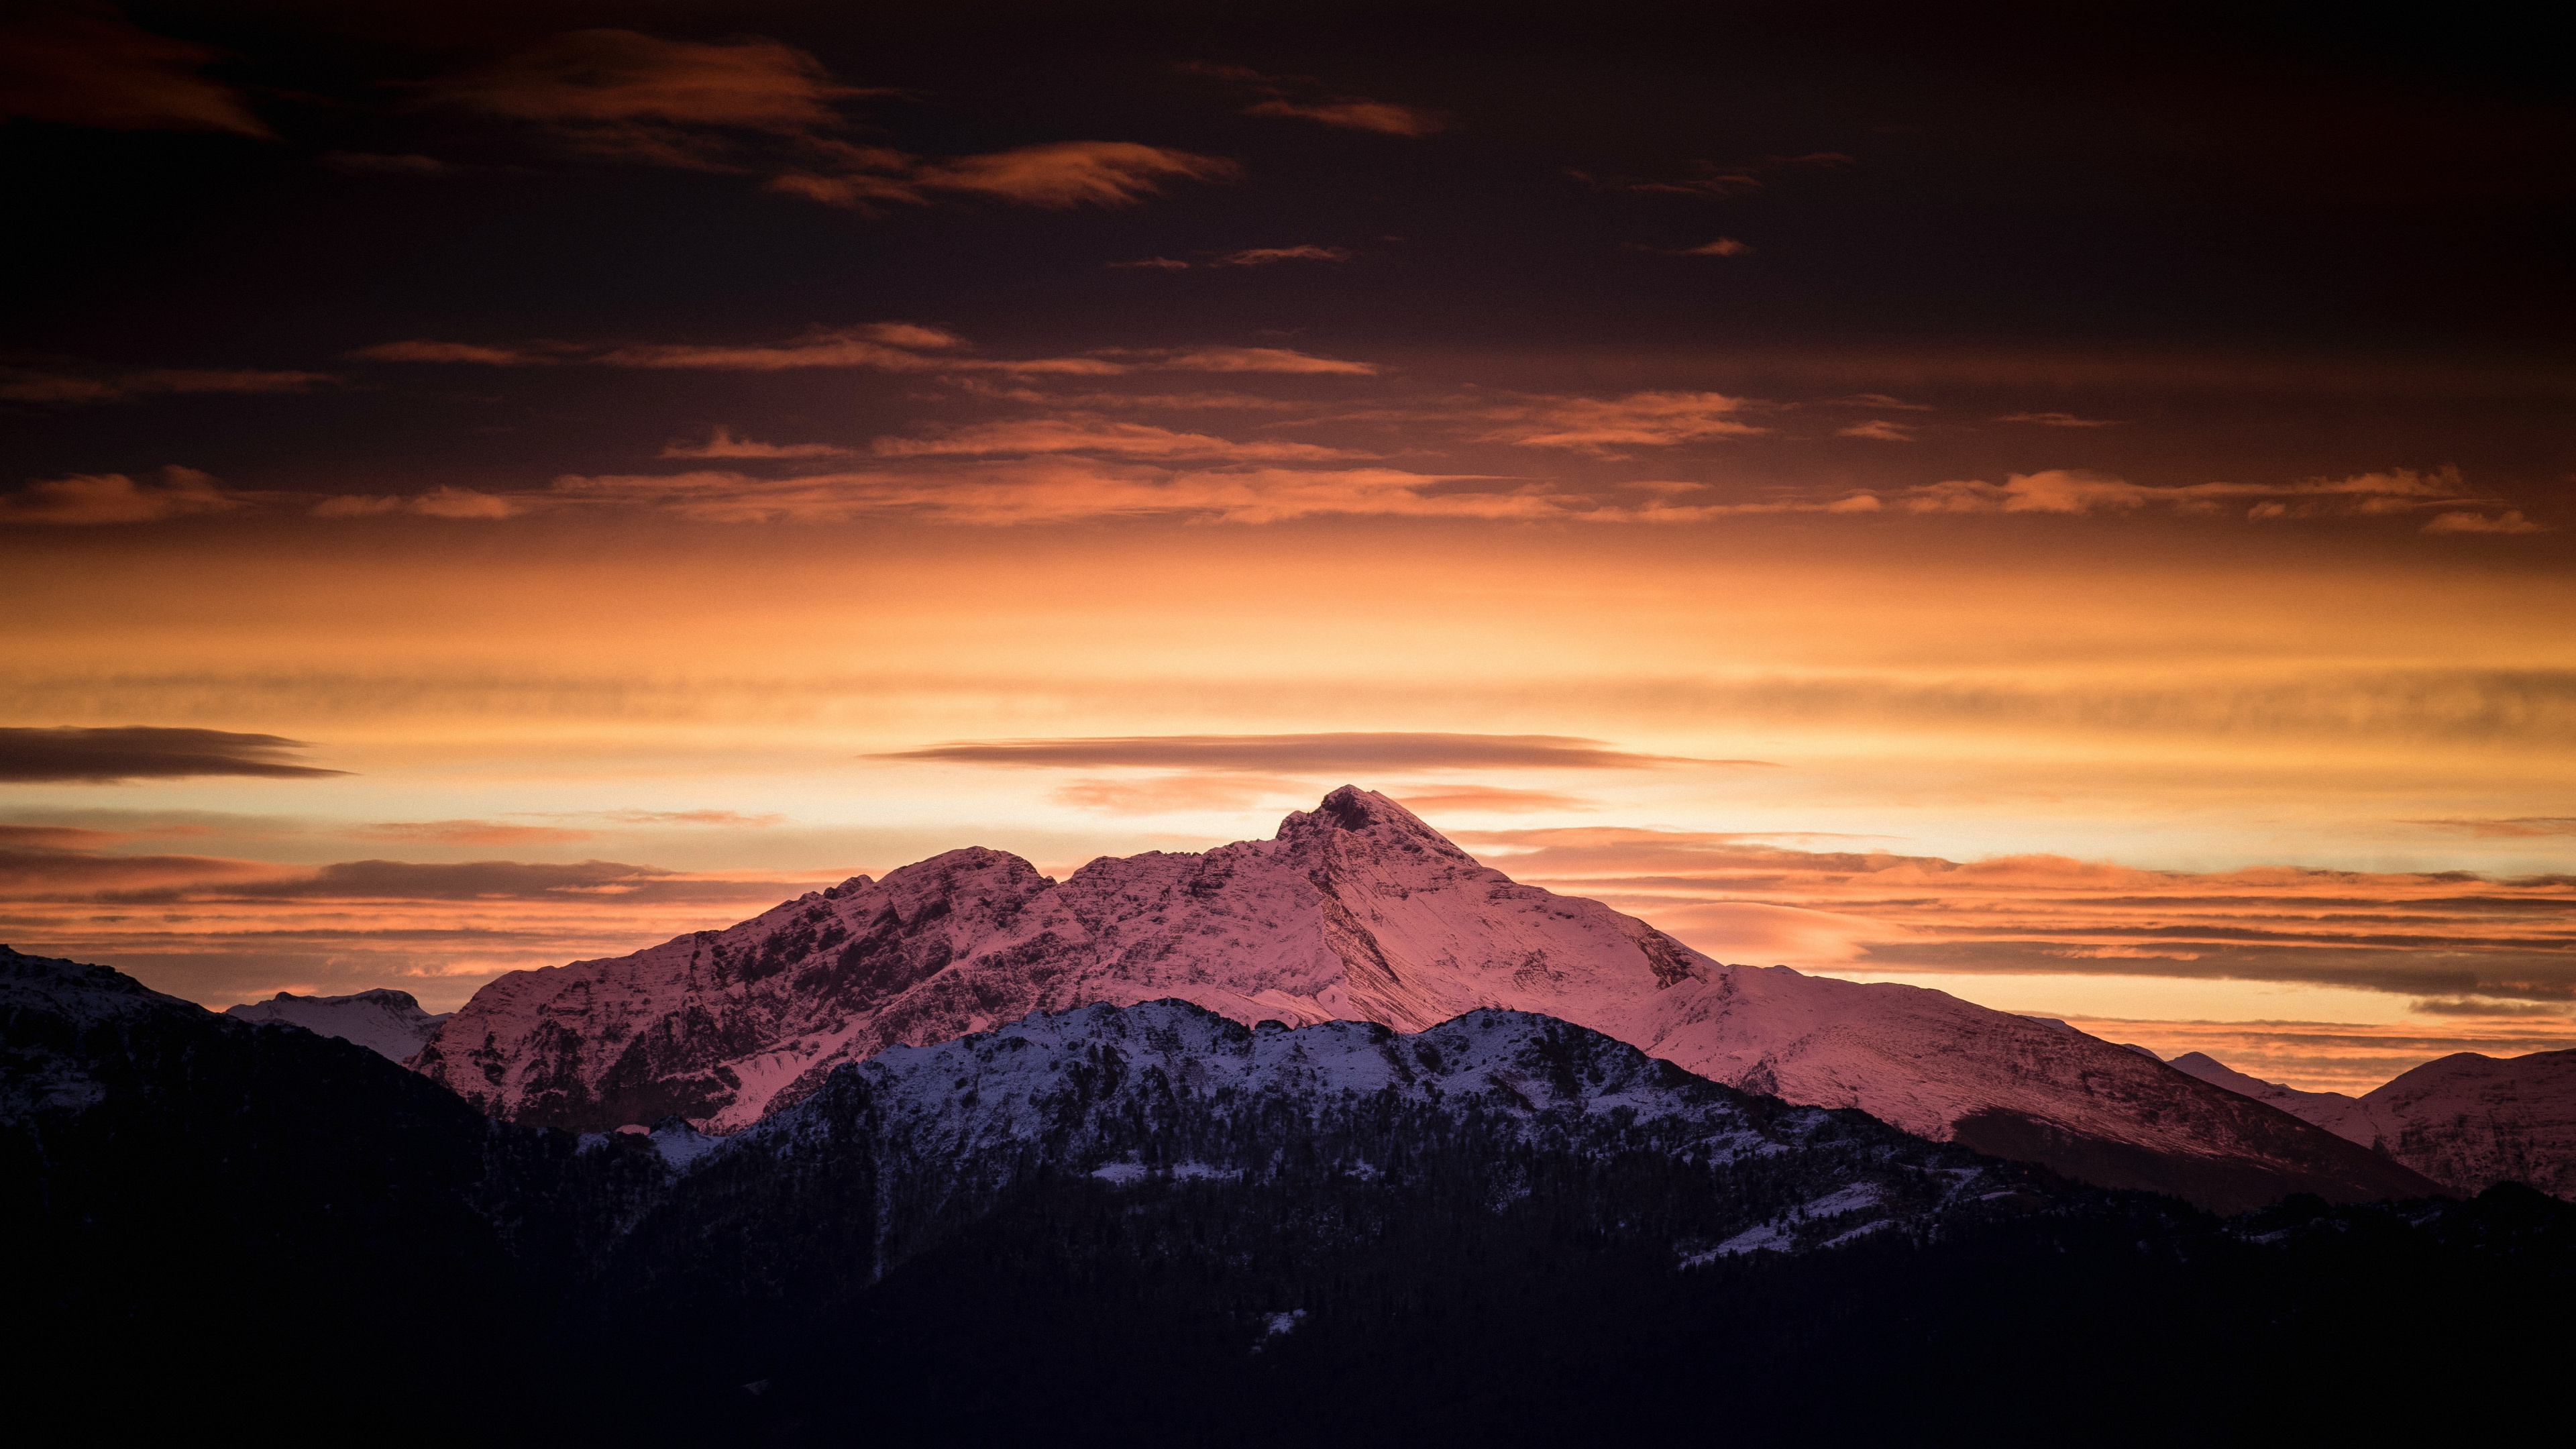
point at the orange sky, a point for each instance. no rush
(657, 500)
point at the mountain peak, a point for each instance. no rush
(1353, 810)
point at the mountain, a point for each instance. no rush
(1357, 910)
(1138, 1222)
(383, 1021)
(2466, 1121)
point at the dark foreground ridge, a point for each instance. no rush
(1152, 1221)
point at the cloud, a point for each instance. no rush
(1247, 257)
(1302, 754)
(2520, 827)
(1879, 402)
(1271, 256)
(756, 105)
(440, 502)
(1725, 246)
(143, 752)
(472, 832)
(57, 837)
(629, 96)
(944, 483)
(878, 347)
(2057, 490)
(1068, 174)
(2509, 521)
(1643, 419)
(2077, 491)
(1077, 432)
(1247, 359)
(723, 444)
(368, 163)
(1355, 113)
(422, 349)
(2448, 935)
(2057, 420)
(1303, 98)
(98, 498)
(1720, 180)
(1880, 429)
(1059, 488)
(88, 66)
(31, 386)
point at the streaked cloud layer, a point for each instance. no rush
(1993, 522)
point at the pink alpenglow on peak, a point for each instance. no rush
(2467, 1121)
(1356, 910)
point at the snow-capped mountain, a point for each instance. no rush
(1357, 910)
(383, 1020)
(1502, 1222)
(2466, 1121)
(1167, 1091)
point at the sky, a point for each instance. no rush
(2071, 510)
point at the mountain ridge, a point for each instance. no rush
(1355, 910)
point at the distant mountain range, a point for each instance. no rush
(1141, 1222)
(2466, 1121)
(384, 1021)
(1357, 910)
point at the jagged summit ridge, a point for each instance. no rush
(1356, 910)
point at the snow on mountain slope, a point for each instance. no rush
(383, 1020)
(1166, 1091)
(2466, 1121)
(2470, 1121)
(1357, 910)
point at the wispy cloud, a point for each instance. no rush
(81, 65)
(31, 385)
(1305, 98)
(2509, 521)
(1725, 246)
(1718, 179)
(2448, 935)
(1076, 432)
(101, 498)
(1880, 429)
(1303, 753)
(758, 106)
(878, 347)
(2076, 491)
(1601, 426)
(1247, 257)
(2518, 827)
(445, 501)
(147, 752)
(723, 444)
(2058, 420)
(634, 97)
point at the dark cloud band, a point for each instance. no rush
(1305, 753)
(143, 752)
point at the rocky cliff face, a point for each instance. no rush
(2466, 1121)
(1358, 911)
